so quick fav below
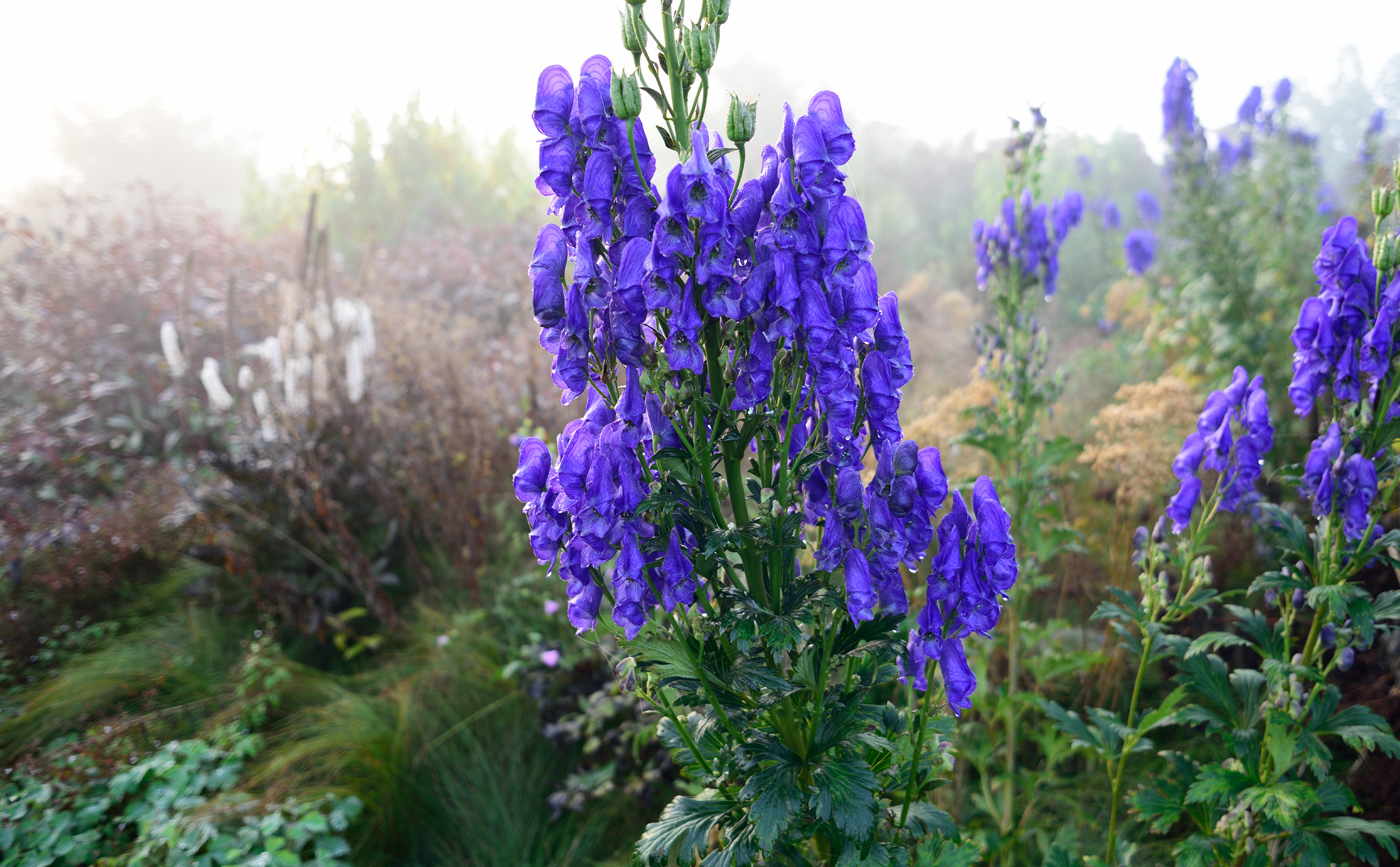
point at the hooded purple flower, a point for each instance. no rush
(1249, 109)
(891, 341)
(1283, 92)
(860, 591)
(914, 662)
(1342, 334)
(995, 547)
(677, 575)
(1358, 489)
(683, 344)
(958, 678)
(547, 275)
(554, 98)
(1233, 434)
(1184, 467)
(755, 379)
(1139, 250)
(881, 399)
(629, 586)
(1148, 209)
(1178, 107)
(1110, 217)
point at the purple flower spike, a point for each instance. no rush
(860, 591)
(958, 678)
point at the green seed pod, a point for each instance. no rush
(715, 11)
(626, 96)
(634, 36)
(742, 119)
(700, 48)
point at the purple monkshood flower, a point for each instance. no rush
(1139, 250)
(1178, 108)
(1283, 92)
(1148, 209)
(1377, 123)
(958, 678)
(996, 548)
(623, 277)
(1335, 480)
(860, 591)
(1083, 166)
(975, 564)
(1342, 333)
(1109, 216)
(1023, 242)
(1232, 436)
(1249, 109)
(677, 575)
(547, 275)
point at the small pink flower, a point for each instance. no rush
(551, 607)
(550, 658)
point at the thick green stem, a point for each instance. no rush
(682, 728)
(753, 565)
(673, 72)
(1013, 674)
(920, 720)
(1127, 744)
(819, 695)
(710, 693)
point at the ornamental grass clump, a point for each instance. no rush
(739, 370)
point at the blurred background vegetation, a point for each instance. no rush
(307, 626)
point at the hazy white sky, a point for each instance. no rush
(285, 76)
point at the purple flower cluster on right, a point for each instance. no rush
(1344, 333)
(1232, 436)
(1345, 341)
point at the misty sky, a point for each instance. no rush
(284, 78)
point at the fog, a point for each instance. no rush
(273, 85)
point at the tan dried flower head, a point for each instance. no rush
(944, 419)
(1126, 304)
(1137, 436)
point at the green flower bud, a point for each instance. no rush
(742, 116)
(700, 48)
(1382, 203)
(636, 4)
(626, 96)
(1395, 172)
(715, 11)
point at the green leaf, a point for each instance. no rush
(1282, 802)
(684, 828)
(1213, 641)
(1280, 739)
(1352, 832)
(947, 853)
(845, 792)
(1216, 785)
(925, 819)
(777, 796)
(1164, 710)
